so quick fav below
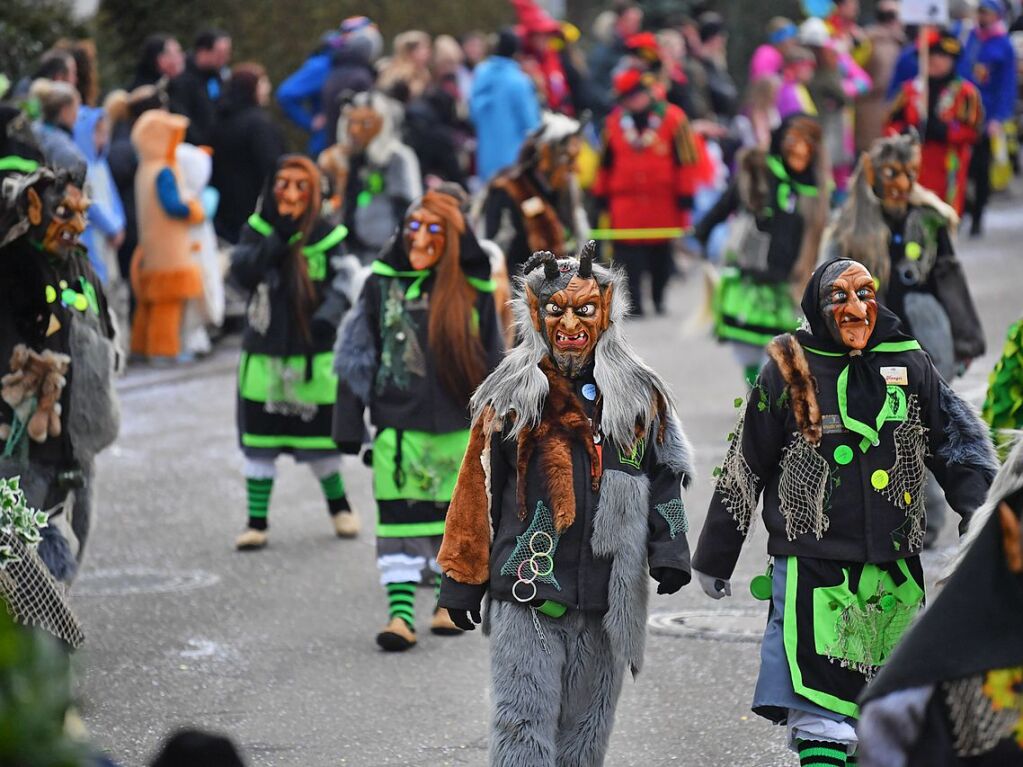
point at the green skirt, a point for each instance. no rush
(414, 474)
(752, 312)
(285, 404)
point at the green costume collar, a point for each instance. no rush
(787, 183)
(869, 432)
(415, 290)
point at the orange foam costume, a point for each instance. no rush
(164, 275)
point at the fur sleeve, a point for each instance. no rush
(465, 552)
(355, 355)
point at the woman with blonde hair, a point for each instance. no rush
(58, 111)
(407, 73)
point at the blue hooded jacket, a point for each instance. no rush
(106, 214)
(504, 107)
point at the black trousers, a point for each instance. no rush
(642, 258)
(980, 175)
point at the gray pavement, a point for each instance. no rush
(276, 647)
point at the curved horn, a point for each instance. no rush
(586, 259)
(550, 266)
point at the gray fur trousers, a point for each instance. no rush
(550, 710)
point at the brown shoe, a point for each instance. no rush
(442, 625)
(346, 524)
(251, 540)
(396, 636)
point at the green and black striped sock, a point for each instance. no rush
(852, 760)
(401, 599)
(258, 490)
(334, 491)
(821, 753)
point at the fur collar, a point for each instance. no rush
(790, 358)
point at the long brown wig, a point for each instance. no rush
(296, 269)
(453, 332)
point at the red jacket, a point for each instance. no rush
(648, 180)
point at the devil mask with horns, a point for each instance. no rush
(568, 307)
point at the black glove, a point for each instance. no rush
(285, 226)
(349, 448)
(669, 579)
(467, 620)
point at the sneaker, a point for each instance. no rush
(442, 625)
(251, 540)
(396, 636)
(346, 524)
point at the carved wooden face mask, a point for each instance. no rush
(849, 305)
(425, 238)
(892, 178)
(573, 319)
(59, 215)
(364, 125)
(293, 189)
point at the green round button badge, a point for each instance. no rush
(843, 455)
(879, 479)
(887, 603)
(913, 251)
(760, 587)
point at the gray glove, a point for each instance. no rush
(715, 588)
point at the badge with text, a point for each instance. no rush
(898, 376)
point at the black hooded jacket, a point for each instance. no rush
(864, 524)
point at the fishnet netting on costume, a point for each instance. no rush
(906, 476)
(674, 513)
(738, 486)
(803, 489)
(978, 722)
(533, 557)
(33, 597)
(867, 633)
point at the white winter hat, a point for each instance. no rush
(814, 32)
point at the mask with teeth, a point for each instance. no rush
(848, 303)
(569, 307)
(891, 169)
(56, 211)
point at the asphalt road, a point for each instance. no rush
(276, 647)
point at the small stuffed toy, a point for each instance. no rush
(33, 389)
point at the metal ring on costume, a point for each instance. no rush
(521, 577)
(524, 600)
(550, 539)
(536, 568)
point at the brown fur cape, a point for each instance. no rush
(788, 354)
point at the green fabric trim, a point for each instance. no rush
(415, 289)
(777, 167)
(483, 286)
(429, 465)
(410, 530)
(869, 433)
(889, 347)
(18, 164)
(334, 237)
(259, 381)
(297, 443)
(260, 225)
(791, 636)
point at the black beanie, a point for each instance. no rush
(507, 43)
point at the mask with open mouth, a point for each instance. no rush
(848, 303)
(570, 309)
(56, 213)
(892, 168)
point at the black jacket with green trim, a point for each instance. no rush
(383, 358)
(832, 500)
(257, 263)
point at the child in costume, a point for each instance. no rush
(286, 383)
(421, 338)
(952, 693)
(837, 435)
(569, 495)
(773, 241)
(58, 407)
(952, 125)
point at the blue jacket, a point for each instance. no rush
(504, 107)
(106, 213)
(908, 64)
(991, 66)
(299, 97)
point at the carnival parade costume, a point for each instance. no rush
(1003, 405)
(568, 496)
(59, 408)
(287, 259)
(773, 240)
(423, 334)
(951, 126)
(952, 693)
(837, 435)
